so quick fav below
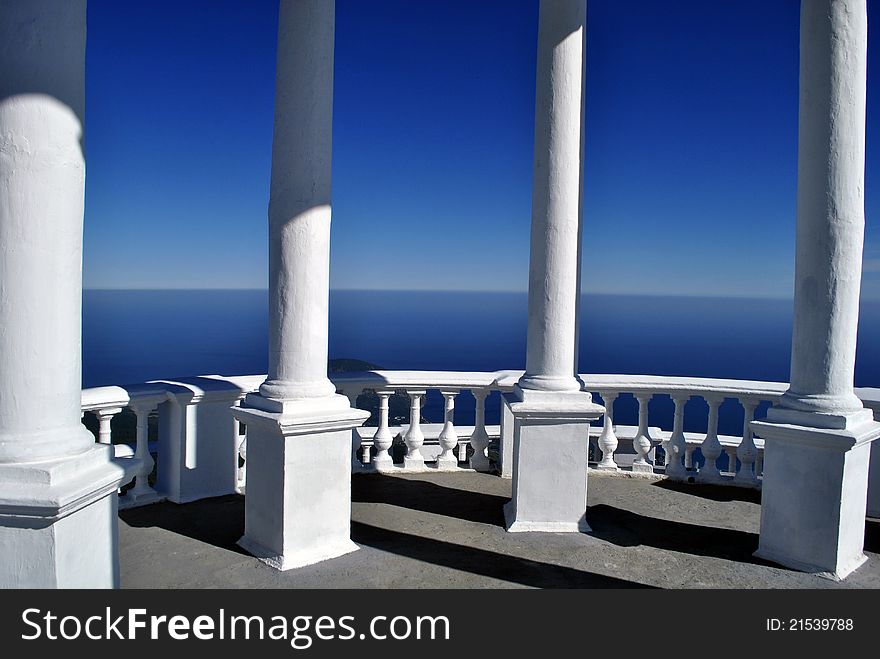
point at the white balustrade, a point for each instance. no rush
(445, 446)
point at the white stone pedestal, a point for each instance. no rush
(58, 521)
(298, 500)
(550, 436)
(813, 496)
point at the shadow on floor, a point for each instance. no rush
(629, 529)
(428, 497)
(712, 492)
(218, 521)
(483, 562)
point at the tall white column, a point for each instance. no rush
(298, 504)
(299, 203)
(556, 199)
(817, 440)
(551, 414)
(58, 518)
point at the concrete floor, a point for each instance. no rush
(446, 531)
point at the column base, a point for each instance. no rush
(58, 521)
(298, 502)
(550, 462)
(449, 464)
(814, 492)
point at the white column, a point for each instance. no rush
(58, 525)
(817, 441)
(142, 493)
(298, 503)
(551, 413)
(299, 203)
(556, 204)
(830, 209)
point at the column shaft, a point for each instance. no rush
(830, 205)
(554, 267)
(42, 178)
(299, 206)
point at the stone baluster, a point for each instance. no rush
(383, 439)
(357, 464)
(731, 459)
(414, 438)
(105, 416)
(608, 440)
(462, 451)
(142, 493)
(677, 457)
(448, 437)
(240, 452)
(711, 448)
(642, 442)
(480, 438)
(746, 451)
(689, 457)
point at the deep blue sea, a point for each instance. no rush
(133, 336)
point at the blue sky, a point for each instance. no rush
(691, 145)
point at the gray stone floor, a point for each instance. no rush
(446, 531)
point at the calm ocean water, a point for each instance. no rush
(133, 336)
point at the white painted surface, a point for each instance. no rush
(813, 498)
(42, 177)
(554, 249)
(299, 206)
(57, 487)
(830, 206)
(298, 501)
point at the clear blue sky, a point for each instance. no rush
(691, 149)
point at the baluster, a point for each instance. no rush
(642, 442)
(731, 459)
(356, 465)
(689, 457)
(462, 451)
(105, 416)
(382, 440)
(677, 457)
(238, 448)
(711, 448)
(607, 441)
(447, 460)
(746, 451)
(142, 493)
(480, 438)
(414, 438)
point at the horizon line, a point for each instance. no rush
(455, 290)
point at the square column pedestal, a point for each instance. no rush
(58, 521)
(814, 492)
(550, 446)
(298, 494)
